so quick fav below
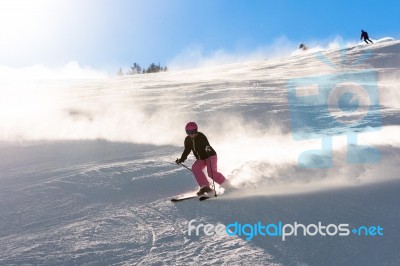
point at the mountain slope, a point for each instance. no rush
(87, 171)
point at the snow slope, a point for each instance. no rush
(87, 170)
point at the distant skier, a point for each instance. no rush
(206, 157)
(364, 35)
(303, 47)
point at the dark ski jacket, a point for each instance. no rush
(364, 35)
(198, 145)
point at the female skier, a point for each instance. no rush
(206, 157)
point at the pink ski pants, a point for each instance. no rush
(211, 164)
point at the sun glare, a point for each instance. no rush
(23, 21)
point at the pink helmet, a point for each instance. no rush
(191, 127)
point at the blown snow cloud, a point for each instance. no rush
(242, 107)
(71, 70)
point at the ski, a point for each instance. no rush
(191, 196)
(202, 198)
(182, 198)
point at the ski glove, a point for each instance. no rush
(179, 161)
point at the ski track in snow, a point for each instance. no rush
(98, 227)
(96, 196)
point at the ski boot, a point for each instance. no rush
(204, 190)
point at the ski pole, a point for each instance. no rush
(186, 167)
(183, 165)
(208, 149)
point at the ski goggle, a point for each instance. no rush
(190, 132)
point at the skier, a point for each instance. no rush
(303, 47)
(206, 157)
(364, 35)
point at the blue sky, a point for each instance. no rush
(108, 34)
